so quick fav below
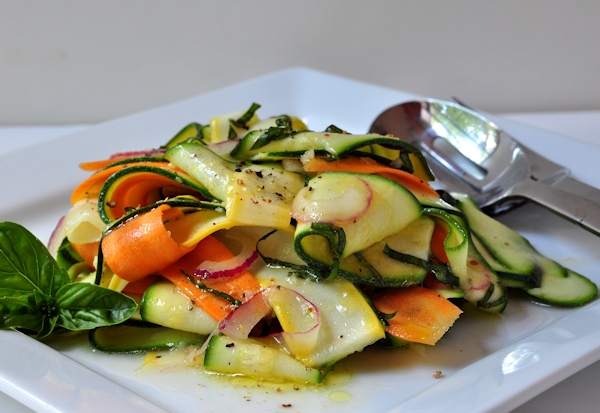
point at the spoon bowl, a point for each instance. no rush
(470, 154)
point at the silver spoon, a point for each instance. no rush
(470, 154)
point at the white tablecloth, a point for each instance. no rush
(576, 394)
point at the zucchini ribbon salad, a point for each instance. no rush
(273, 250)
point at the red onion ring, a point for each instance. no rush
(227, 268)
(149, 152)
(343, 203)
(57, 236)
(484, 281)
(301, 325)
(301, 336)
(240, 322)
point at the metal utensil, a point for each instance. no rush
(470, 154)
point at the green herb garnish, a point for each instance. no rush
(274, 133)
(37, 295)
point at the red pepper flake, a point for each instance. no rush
(325, 134)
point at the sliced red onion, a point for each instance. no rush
(131, 154)
(299, 318)
(227, 268)
(483, 276)
(223, 147)
(345, 199)
(240, 322)
(57, 236)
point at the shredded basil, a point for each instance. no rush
(372, 270)
(441, 272)
(281, 131)
(218, 293)
(334, 129)
(302, 271)
(485, 301)
(337, 240)
(242, 122)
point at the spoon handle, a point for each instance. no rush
(578, 209)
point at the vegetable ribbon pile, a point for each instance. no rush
(312, 244)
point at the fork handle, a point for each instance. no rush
(573, 186)
(578, 209)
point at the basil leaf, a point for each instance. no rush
(334, 129)
(83, 306)
(25, 263)
(36, 293)
(13, 297)
(47, 311)
(198, 284)
(281, 131)
(26, 321)
(48, 324)
(242, 122)
(15, 315)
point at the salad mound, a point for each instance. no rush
(277, 250)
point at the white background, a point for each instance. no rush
(70, 61)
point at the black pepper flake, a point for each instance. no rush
(286, 405)
(259, 174)
(229, 345)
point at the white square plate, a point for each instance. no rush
(488, 363)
